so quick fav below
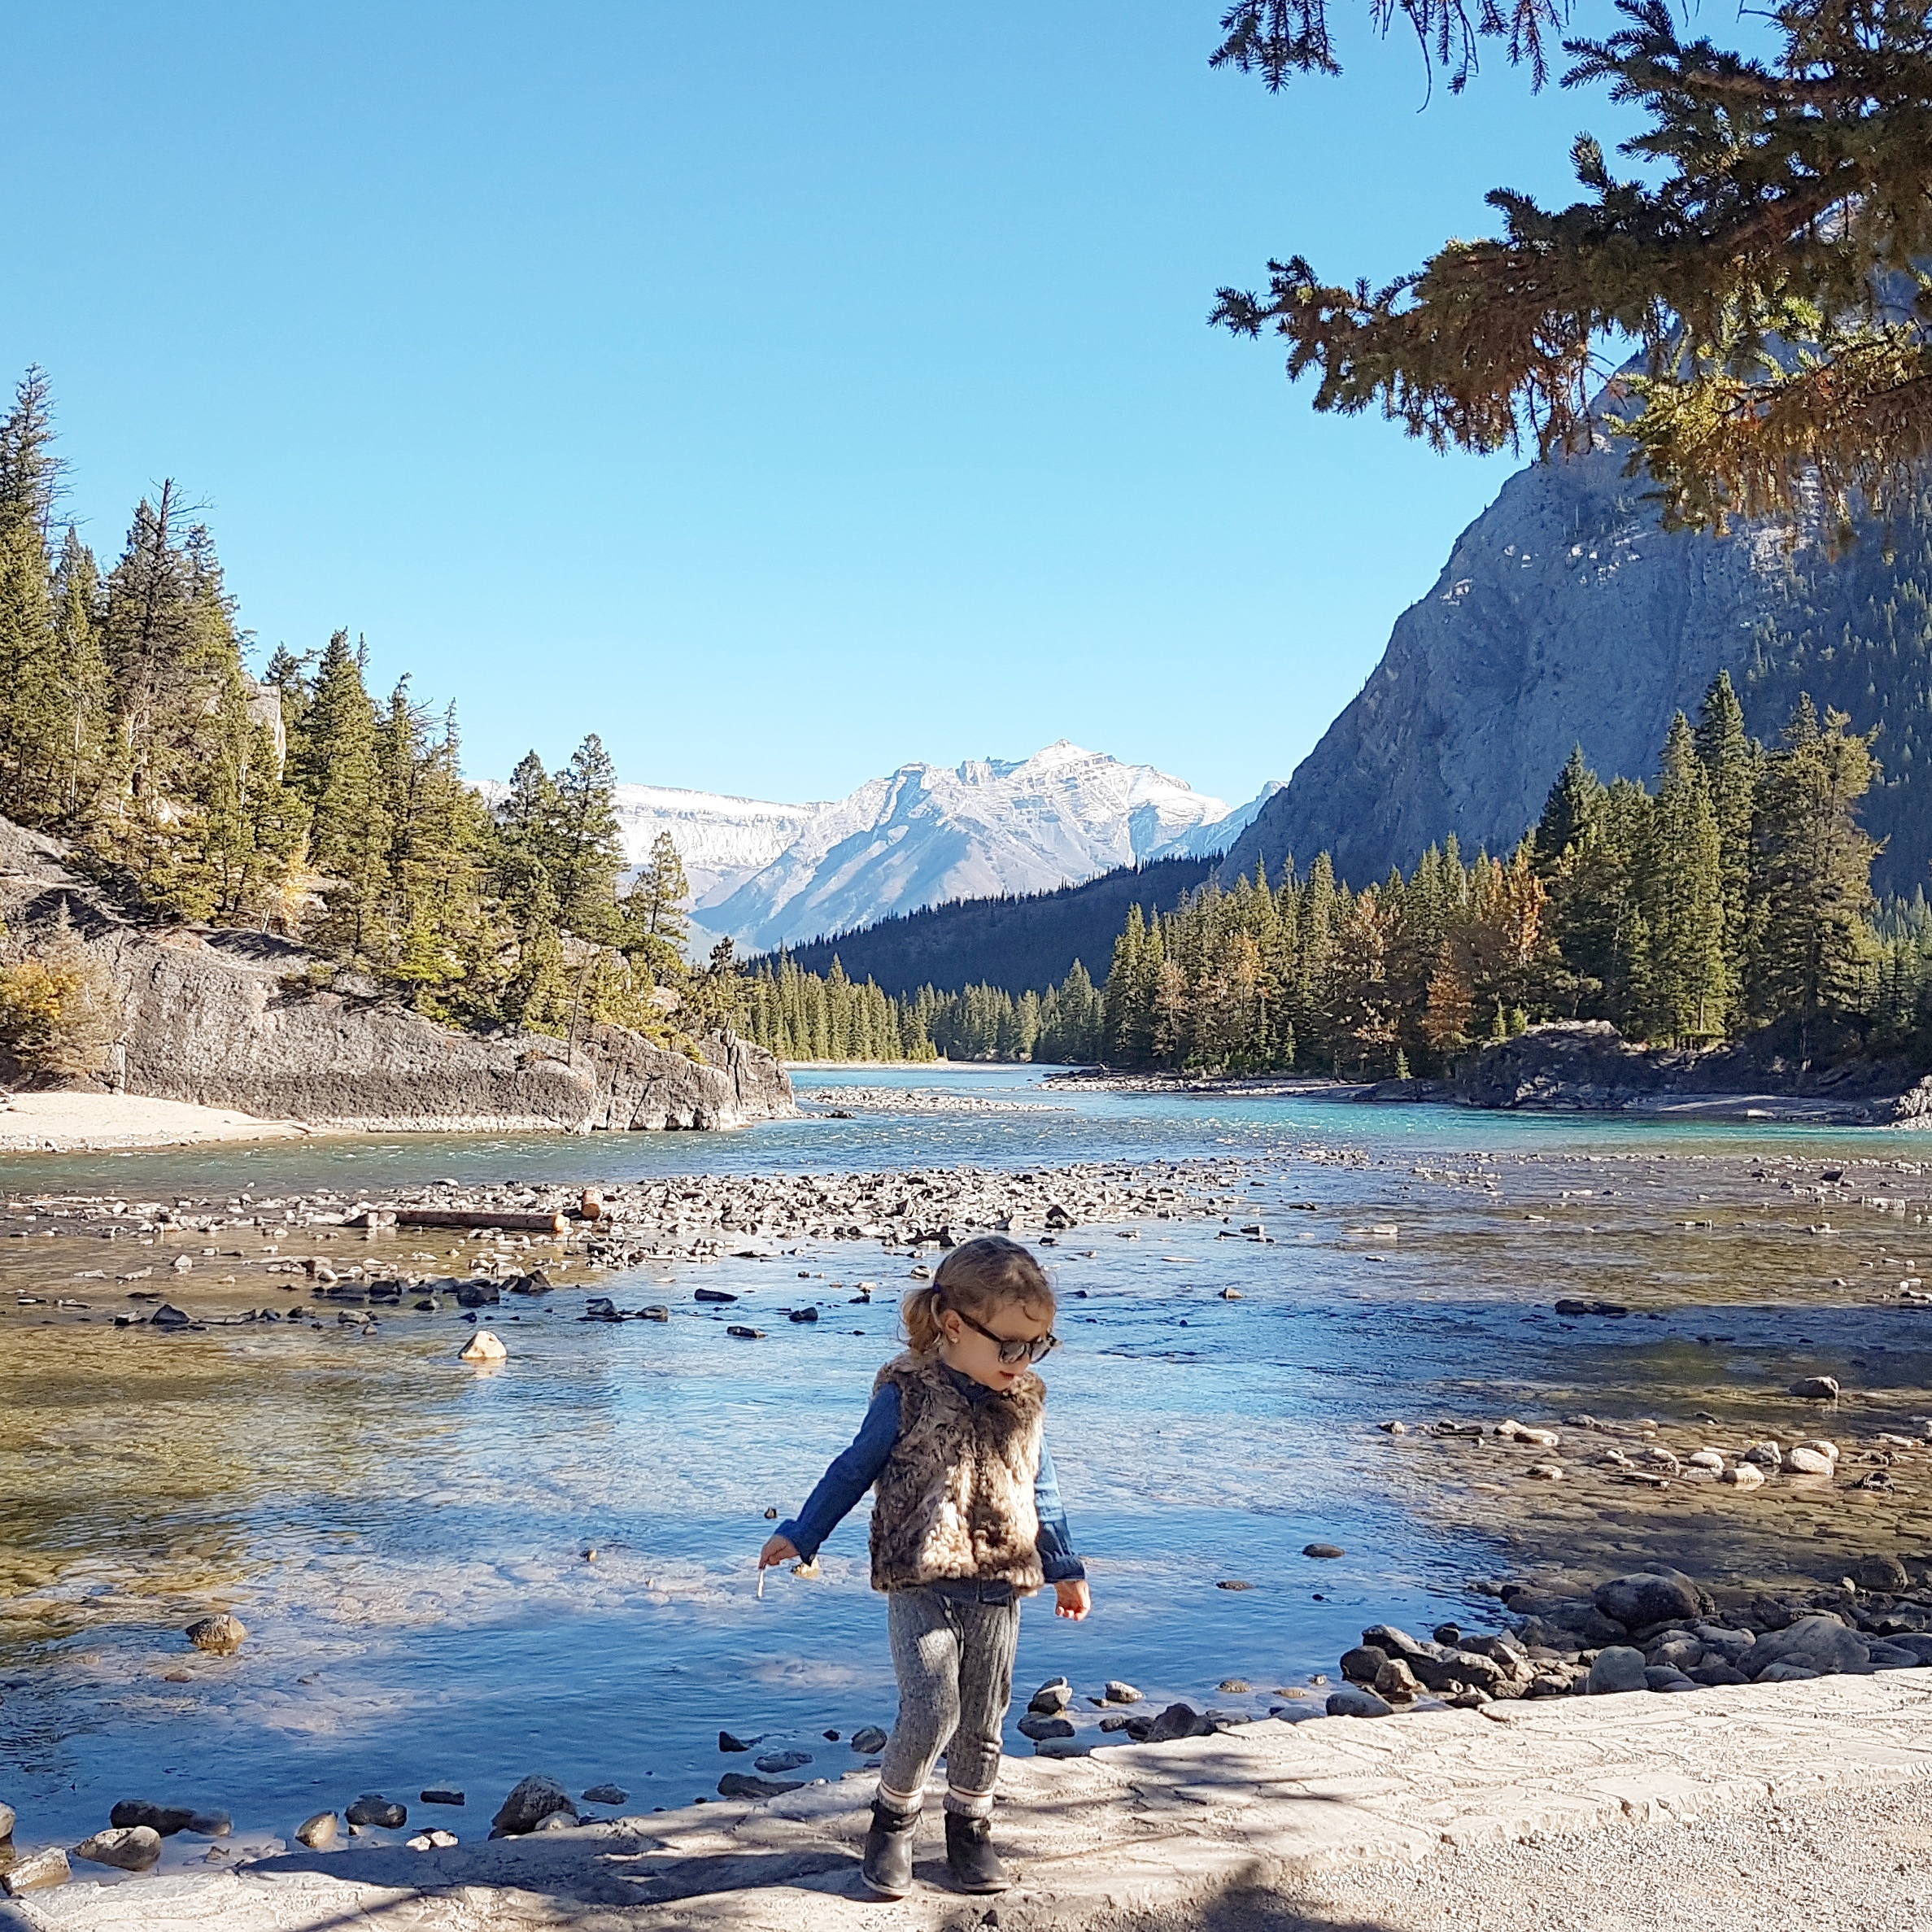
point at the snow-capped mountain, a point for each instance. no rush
(929, 833)
(722, 840)
(773, 874)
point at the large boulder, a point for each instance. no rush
(1820, 1644)
(534, 1800)
(1648, 1597)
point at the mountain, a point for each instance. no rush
(1565, 615)
(1015, 944)
(722, 840)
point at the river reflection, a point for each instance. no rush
(409, 1540)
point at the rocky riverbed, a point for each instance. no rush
(1240, 1327)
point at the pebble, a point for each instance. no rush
(41, 1872)
(870, 1739)
(1804, 1460)
(220, 1635)
(374, 1808)
(431, 1841)
(483, 1347)
(318, 1833)
(535, 1799)
(128, 1848)
(1327, 1550)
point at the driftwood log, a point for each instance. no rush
(469, 1217)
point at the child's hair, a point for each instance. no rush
(978, 1278)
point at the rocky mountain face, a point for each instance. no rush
(722, 840)
(1564, 615)
(930, 834)
(223, 1019)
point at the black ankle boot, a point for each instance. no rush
(975, 1865)
(888, 1862)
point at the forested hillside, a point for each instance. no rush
(1018, 945)
(301, 804)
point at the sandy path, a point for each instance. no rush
(71, 1123)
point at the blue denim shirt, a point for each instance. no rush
(855, 1470)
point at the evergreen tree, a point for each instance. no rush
(1731, 763)
(335, 764)
(656, 931)
(1689, 990)
(1814, 954)
(586, 847)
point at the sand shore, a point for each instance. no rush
(78, 1123)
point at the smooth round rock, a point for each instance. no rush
(777, 1762)
(869, 1740)
(1352, 1700)
(534, 1800)
(607, 1794)
(483, 1347)
(1326, 1551)
(371, 1807)
(130, 1848)
(1618, 1668)
(1816, 1388)
(320, 1832)
(1117, 1692)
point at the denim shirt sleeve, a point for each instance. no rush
(1058, 1562)
(853, 1471)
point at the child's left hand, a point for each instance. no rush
(1072, 1600)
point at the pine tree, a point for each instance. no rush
(1814, 952)
(75, 755)
(335, 766)
(1731, 763)
(655, 930)
(588, 847)
(1575, 803)
(1689, 990)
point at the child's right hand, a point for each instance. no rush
(777, 1550)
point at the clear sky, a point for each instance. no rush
(782, 392)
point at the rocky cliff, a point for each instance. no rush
(1566, 615)
(222, 1018)
(1587, 1065)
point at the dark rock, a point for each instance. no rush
(551, 1822)
(440, 1795)
(1392, 1642)
(1115, 1692)
(1323, 1550)
(167, 1819)
(1449, 1633)
(1177, 1720)
(1649, 1597)
(802, 1315)
(607, 1794)
(869, 1740)
(212, 1824)
(477, 1294)
(712, 1295)
(535, 1799)
(1665, 1677)
(727, 1742)
(1820, 1389)
(1361, 1665)
(1037, 1728)
(1713, 1675)
(168, 1316)
(744, 1334)
(1883, 1574)
(734, 1784)
(318, 1833)
(1818, 1643)
(778, 1762)
(1353, 1701)
(1051, 1699)
(373, 1808)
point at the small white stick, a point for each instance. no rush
(761, 1583)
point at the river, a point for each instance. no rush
(407, 1540)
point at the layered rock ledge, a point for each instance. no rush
(223, 1019)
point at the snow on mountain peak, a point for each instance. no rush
(774, 874)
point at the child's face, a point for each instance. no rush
(974, 1350)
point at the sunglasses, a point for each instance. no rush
(1010, 1349)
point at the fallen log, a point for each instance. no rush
(470, 1217)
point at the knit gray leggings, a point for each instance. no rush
(953, 1658)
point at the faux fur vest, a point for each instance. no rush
(955, 1499)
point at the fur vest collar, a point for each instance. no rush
(955, 1499)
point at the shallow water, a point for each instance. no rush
(406, 1538)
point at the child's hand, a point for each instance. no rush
(779, 1550)
(1071, 1600)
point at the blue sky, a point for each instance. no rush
(784, 393)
